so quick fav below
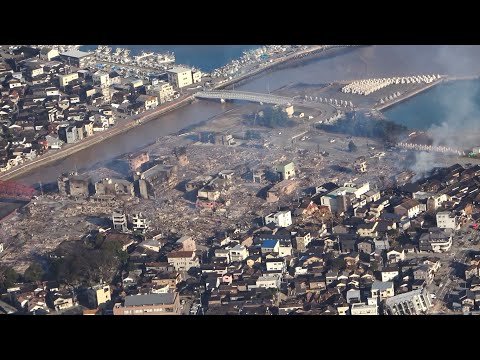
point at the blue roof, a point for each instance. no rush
(269, 243)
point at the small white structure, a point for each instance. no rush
(280, 219)
(268, 282)
(447, 220)
(364, 309)
(382, 290)
(238, 253)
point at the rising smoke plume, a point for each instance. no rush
(461, 127)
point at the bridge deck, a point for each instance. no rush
(246, 96)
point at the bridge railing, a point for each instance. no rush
(239, 95)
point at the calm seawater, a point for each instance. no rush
(453, 102)
(204, 57)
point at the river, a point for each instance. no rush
(373, 61)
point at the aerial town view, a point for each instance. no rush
(239, 180)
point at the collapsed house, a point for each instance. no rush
(75, 185)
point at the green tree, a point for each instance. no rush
(8, 277)
(352, 147)
(33, 273)
(338, 263)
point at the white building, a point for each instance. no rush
(238, 253)
(285, 248)
(101, 78)
(223, 253)
(447, 220)
(382, 290)
(183, 260)
(436, 240)
(270, 246)
(48, 53)
(332, 199)
(410, 208)
(162, 90)
(389, 274)
(268, 282)
(153, 245)
(67, 78)
(1, 248)
(414, 302)
(98, 295)
(196, 76)
(437, 200)
(179, 77)
(364, 309)
(276, 265)
(280, 219)
(119, 219)
(139, 222)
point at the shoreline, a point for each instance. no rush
(25, 168)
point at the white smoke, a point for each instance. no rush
(461, 127)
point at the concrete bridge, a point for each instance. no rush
(244, 95)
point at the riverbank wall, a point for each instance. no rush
(52, 157)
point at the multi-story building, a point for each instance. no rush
(196, 76)
(119, 219)
(153, 180)
(341, 198)
(162, 90)
(114, 187)
(414, 302)
(101, 78)
(360, 165)
(98, 295)
(77, 58)
(285, 170)
(238, 253)
(280, 219)
(447, 220)
(436, 240)
(150, 304)
(137, 160)
(183, 260)
(179, 77)
(302, 239)
(67, 78)
(267, 282)
(410, 208)
(187, 243)
(139, 222)
(68, 134)
(148, 101)
(382, 290)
